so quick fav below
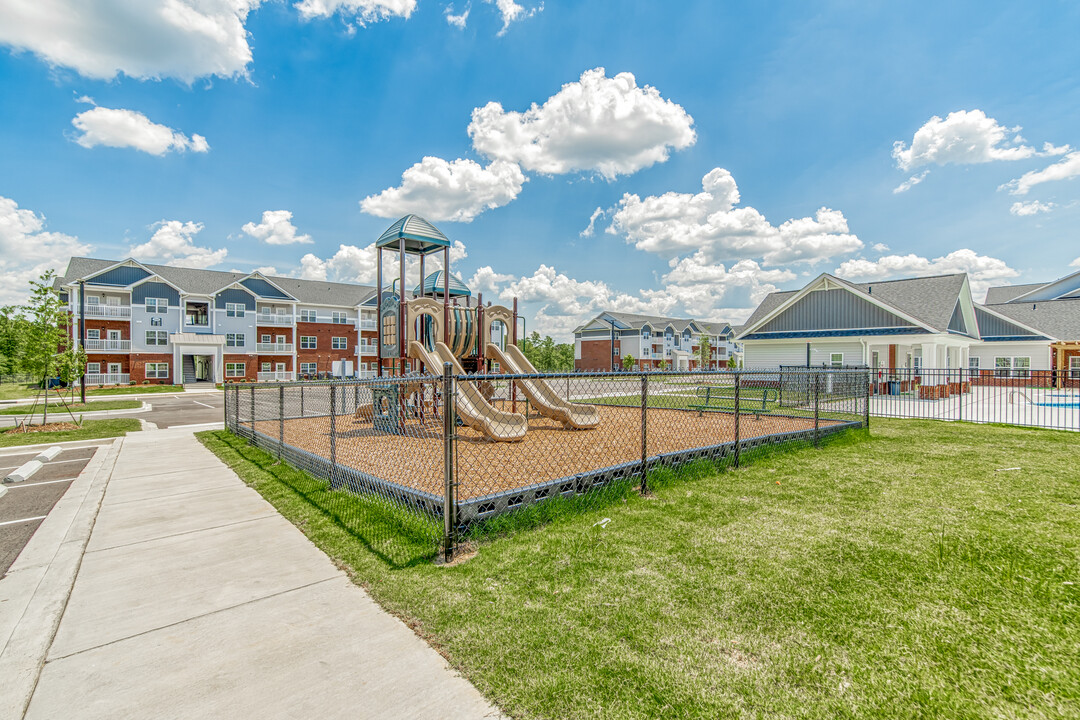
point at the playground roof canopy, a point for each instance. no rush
(433, 285)
(416, 234)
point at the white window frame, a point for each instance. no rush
(339, 343)
(93, 300)
(308, 316)
(237, 340)
(1021, 367)
(157, 371)
(236, 310)
(93, 368)
(973, 363)
(235, 370)
(1074, 367)
(265, 367)
(339, 318)
(157, 338)
(116, 368)
(93, 334)
(1002, 367)
(309, 342)
(156, 305)
(309, 368)
(833, 362)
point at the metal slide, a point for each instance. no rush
(474, 410)
(546, 401)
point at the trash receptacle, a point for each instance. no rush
(894, 387)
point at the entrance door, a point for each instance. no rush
(202, 367)
(280, 367)
(114, 369)
(114, 334)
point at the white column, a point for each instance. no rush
(931, 360)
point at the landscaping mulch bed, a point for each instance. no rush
(547, 452)
(50, 427)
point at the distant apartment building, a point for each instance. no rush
(651, 341)
(161, 324)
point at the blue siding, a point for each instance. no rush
(956, 323)
(154, 290)
(119, 277)
(235, 295)
(832, 310)
(262, 289)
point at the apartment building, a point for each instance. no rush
(605, 340)
(160, 324)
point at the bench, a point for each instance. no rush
(711, 397)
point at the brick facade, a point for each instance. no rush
(138, 368)
(251, 367)
(105, 358)
(596, 355)
(274, 331)
(324, 354)
(105, 325)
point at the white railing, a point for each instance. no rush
(114, 311)
(368, 325)
(273, 347)
(367, 349)
(107, 378)
(268, 319)
(277, 376)
(106, 345)
(365, 374)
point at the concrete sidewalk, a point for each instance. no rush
(194, 598)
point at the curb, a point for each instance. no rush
(89, 415)
(35, 591)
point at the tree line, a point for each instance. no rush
(33, 336)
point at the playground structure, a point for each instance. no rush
(423, 333)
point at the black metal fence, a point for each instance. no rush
(411, 464)
(1033, 398)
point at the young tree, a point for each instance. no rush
(628, 362)
(12, 335)
(704, 351)
(46, 318)
(732, 363)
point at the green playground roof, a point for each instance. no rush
(433, 285)
(416, 234)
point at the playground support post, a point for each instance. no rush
(378, 323)
(480, 366)
(644, 433)
(737, 416)
(403, 308)
(446, 296)
(449, 521)
(817, 407)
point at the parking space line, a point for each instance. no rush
(30, 519)
(35, 484)
(204, 404)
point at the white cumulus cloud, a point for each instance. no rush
(459, 21)
(355, 264)
(27, 250)
(606, 125)
(1022, 209)
(276, 228)
(982, 271)
(120, 128)
(591, 229)
(1065, 169)
(710, 223)
(440, 190)
(512, 12)
(363, 11)
(910, 182)
(173, 244)
(146, 39)
(964, 137)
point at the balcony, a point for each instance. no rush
(368, 325)
(107, 345)
(107, 378)
(274, 347)
(278, 376)
(328, 319)
(268, 319)
(366, 374)
(103, 311)
(367, 349)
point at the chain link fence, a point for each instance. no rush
(418, 463)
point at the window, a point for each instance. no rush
(93, 368)
(1002, 366)
(155, 322)
(265, 339)
(157, 337)
(646, 333)
(93, 334)
(234, 309)
(93, 300)
(158, 371)
(973, 364)
(339, 343)
(916, 364)
(265, 367)
(340, 318)
(616, 352)
(234, 370)
(157, 305)
(308, 369)
(1021, 367)
(234, 339)
(308, 342)
(836, 359)
(307, 316)
(1074, 367)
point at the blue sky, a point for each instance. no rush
(239, 134)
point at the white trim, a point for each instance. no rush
(154, 277)
(115, 265)
(1043, 287)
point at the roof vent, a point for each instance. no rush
(869, 289)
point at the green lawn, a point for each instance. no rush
(930, 571)
(91, 430)
(76, 407)
(18, 391)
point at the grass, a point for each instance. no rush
(19, 391)
(90, 430)
(76, 407)
(914, 574)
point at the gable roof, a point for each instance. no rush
(634, 321)
(1005, 293)
(194, 281)
(926, 301)
(1064, 287)
(1060, 319)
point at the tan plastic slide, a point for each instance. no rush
(474, 410)
(546, 401)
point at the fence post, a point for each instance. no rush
(253, 414)
(960, 395)
(737, 416)
(333, 438)
(866, 410)
(236, 409)
(449, 521)
(817, 406)
(644, 432)
(281, 421)
(301, 401)
(228, 404)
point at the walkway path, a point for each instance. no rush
(194, 598)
